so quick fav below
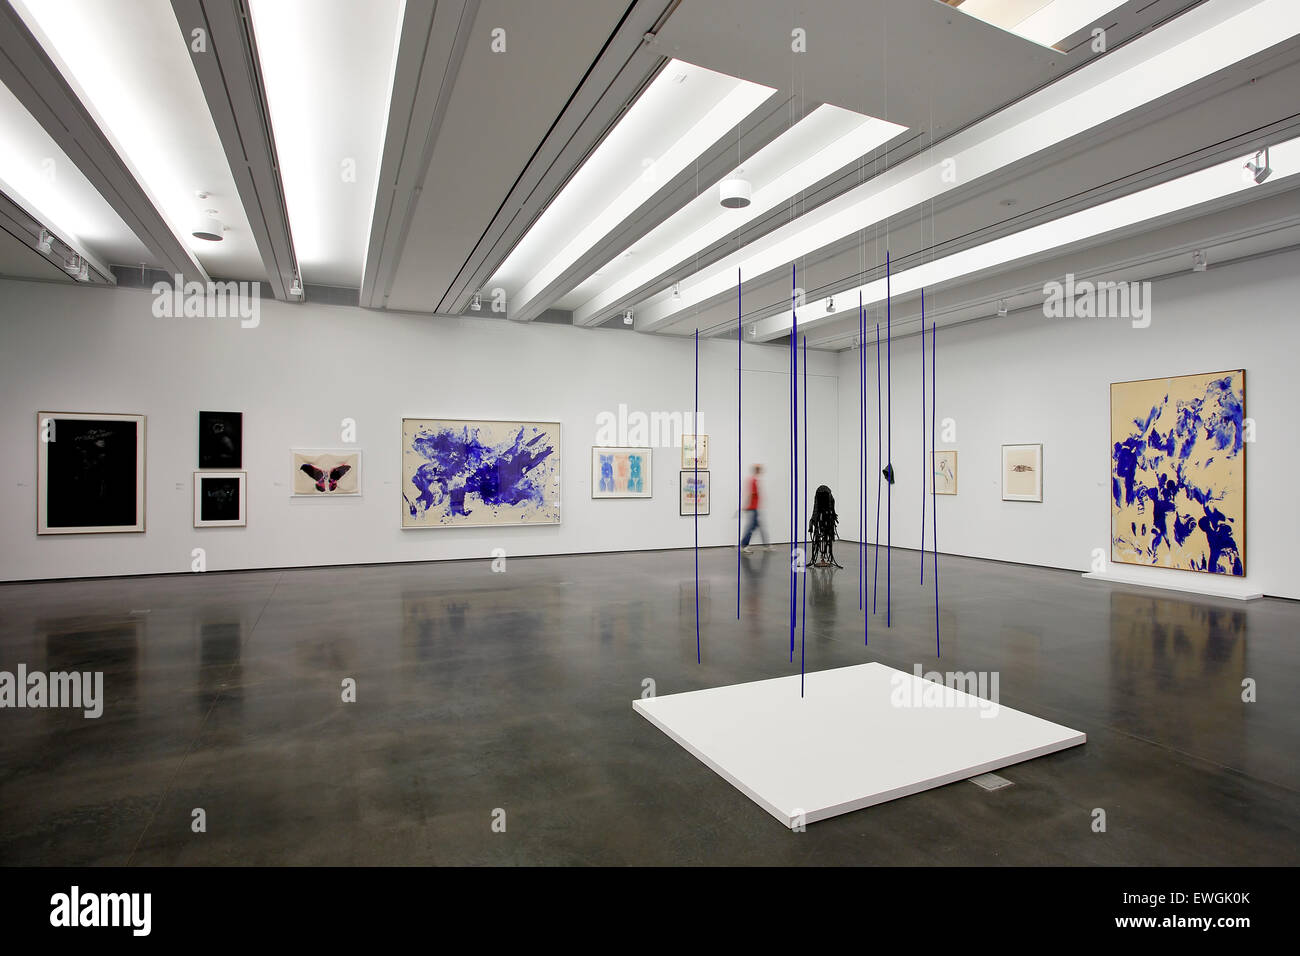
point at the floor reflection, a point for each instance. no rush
(1188, 658)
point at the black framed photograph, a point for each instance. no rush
(220, 499)
(221, 440)
(89, 473)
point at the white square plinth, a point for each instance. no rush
(859, 736)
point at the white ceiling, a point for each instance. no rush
(328, 74)
(35, 169)
(478, 167)
(130, 67)
(500, 108)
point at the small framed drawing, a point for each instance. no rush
(694, 493)
(945, 472)
(325, 474)
(1022, 472)
(220, 498)
(695, 451)
(89, 473)
(620, 472)
(221, 440)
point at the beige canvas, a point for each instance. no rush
(689, 453)
(474, 472)
(1178, 472)
(325, 474)
(945, 472)
(1022, 472)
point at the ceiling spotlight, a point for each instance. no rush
(83, 272)
(1258, 168)
(734, 192)
(46, 243)
(753, 331)
(830, 303)
(677, 290)
(209, 227)
(1199, 262)
(295, 289)
(72, 264)
(476, 303)
(627, 316)
(1002, 307)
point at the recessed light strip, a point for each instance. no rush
(824, 160)
(1203, 41)
(1207, 185)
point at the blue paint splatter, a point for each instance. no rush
(1182, 499)
(460, 471)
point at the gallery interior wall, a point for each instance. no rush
(307, 367)
(1026, 378)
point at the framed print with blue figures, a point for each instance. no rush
(620, 472)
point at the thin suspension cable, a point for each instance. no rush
(794, 450)
(803, 623)
(889, 449)
(696, 427)
(862, 455)
(934, 501)
(862, 466)
(875, 564)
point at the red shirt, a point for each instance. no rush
(753, 495)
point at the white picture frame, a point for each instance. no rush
(204, 484)
(1022, 472)
(81, 461)
(325, 461)
(615, 474)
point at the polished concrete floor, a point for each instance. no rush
(478, 691)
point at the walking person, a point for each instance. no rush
(752, 507)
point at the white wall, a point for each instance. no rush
(307, 367)
(1027, 378)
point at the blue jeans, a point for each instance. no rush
(753, 526)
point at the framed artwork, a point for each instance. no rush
(459, 473)
(220, 498)
(325, 474)
(1178, 472)
(1022, 472)
(945, 472)
(89, 473)
(620, 472)
(695, 447)
(694, 493)
(221, 440)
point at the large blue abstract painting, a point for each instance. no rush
(1178, 472)
(459, 473)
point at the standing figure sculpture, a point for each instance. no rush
(822, 526)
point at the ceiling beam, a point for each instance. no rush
(430, 48)
(38, 84)
(230, 74)
(628, 62)
(26, 226)
(728, 151)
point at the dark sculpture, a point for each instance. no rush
(822, 525)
